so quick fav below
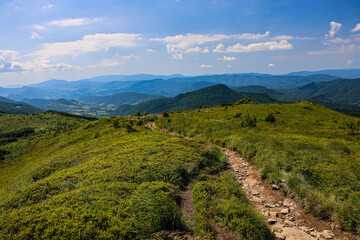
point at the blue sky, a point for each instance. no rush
(74, 39)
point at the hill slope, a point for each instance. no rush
(110, 179)
(315, 150)
(341, 73)
(344, 91)
(209, 96)
(19, 108)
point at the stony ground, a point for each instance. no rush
(284, 214)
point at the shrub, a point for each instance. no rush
(244, 101)
(352, 127)
(270, 117)
(154, 207)
(237, 115)
(248, 121)
(137, 113)
(320, 204)
(165, 114)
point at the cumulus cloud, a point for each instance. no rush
(74, 22)
(206, 66)
(334, 28)
(150, 50)
(271, 65)
(356, 28)
(89, 43)
(349, 62)
(35, 35)
(9, 63)
(254, 47)
(191, 43)
(227, 58)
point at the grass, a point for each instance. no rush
(105, 179)
(307, 145)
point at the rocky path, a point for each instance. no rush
(285, 216)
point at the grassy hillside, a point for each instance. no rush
(316, 150)
(209, 96)
(344, 91)
(115, 100)
(18, 108)
(111, 179)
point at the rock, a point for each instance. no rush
(285, 211)
(269, 205)
(256, 199)
(292, 219)
(272, 221)
(278, 228)
(280, 236)
(313, 234)
(275, 187)
(255, 192)
(288, 223)
(296, 234)
(287, 203)
(327, 234)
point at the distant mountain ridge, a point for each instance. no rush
(340, 73)
(209, 96)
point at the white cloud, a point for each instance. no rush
(254, 47)
(206, 66)
(271, 65)
(43, 64)
(89, 43)
(150, 50)
(337, 41)
(189, 40)
(74, 22)
(333, 50)
(228, 66)
(251, 35)
(197, 50)
(48, 6)
(283, 37)
(175, 53)
(334, 28)
(349, 62)
(227, 58)
(38, 27)
(9, 63)
(107, 63)
(34, 35)
(219, 48)
(356, 28)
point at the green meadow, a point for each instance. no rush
(314, 149)
(113, 179)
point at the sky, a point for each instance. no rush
(75, 39)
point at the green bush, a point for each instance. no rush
(137, 114)
(270, 117)
(165, 114)
(248, 121)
